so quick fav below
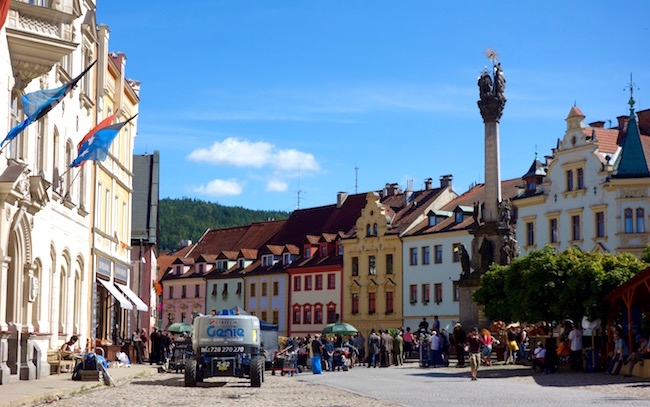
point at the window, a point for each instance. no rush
(97, 211)
(426, 254)
(183, 291)
(331, 314)
(276, 288)
(331, 281)
(581, 178)
(629, 222)
(308, 252)
(389, 264)
(455, 252)
(264, 316)
(196, 291)
(575, 227)
(276, 316)
(552, 227)
(267, 260)
(307, 283)
(238, 288)
(456, 291)
(318, 314)
(296, 315)
(319, 282)
(355, 303)
(107, 210)
(569, 180)
(201, 268)
(413, 293)
(340, 248)
(374, 229)
(437, 293)
(530, 233)
(640, 220)
(371, 265)
(307, 315)
(372, 307)
(531, 186)
(323, 251)
(355, 266)
(458, 217)
(426, 293)
(432, 220)
(171, 292)
(389, 302)
(253, 290)
(115, 208)
(240, 263)
(296, 283)
(437, 253)
(286, 258)
(220, 265)
(413, 256)
(225, 289)
(600, 224)
(265, 287)
(214, 290)
(368, 231)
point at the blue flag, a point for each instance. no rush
(38, 104)
(96, 147)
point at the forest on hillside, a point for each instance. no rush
(187, 218)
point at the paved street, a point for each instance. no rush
(407, 386)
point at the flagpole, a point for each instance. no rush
(67, 193)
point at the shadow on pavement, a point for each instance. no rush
(558, 379)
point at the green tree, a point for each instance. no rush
(546, 285)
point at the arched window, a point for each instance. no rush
(368, 230)
(374, 229)
(640, 220)
(68, 174)
(63, 300)
(629, 225)
(55, 160)
(307, 314)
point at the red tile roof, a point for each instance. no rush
(272, 249)
(228, 255)
(291, 249)
(606, 138)
(405, 215)
(575, 111)
(509, 189)
(248, 253)
(252, 236)
(312, 239)
(165, 260)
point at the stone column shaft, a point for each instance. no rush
(492, 172)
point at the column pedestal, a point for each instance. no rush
(5, 372)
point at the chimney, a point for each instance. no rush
(427, 184)
(340, 199)
(445, 181)
(622, 121)
(598, 124)
(643, 118)
(391, 189)
(408, 193)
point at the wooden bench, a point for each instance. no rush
(55, 360)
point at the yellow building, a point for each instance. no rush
(112, 180)
(372, 253)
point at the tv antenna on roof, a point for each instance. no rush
(356, 177)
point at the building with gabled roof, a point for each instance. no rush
(372, 252)
(594, 194)
(431, 262)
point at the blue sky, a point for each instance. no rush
(250, 101)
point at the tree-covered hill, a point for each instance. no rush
(188, 218)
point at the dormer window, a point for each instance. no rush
(286, 258)
(220, 265)
(532, 185)
(240, 263)
(323, 251)
(178, 270)
(308, 252)
(432, 221)
(267, 260)
(201, 268)
(459, 217)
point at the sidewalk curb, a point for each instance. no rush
(56, 395)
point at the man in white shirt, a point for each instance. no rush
(538, 358)
(434, 357)
(575, 339)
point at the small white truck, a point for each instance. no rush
(225, 344)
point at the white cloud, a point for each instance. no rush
(276, 186)
(243, 153)
(220, 187)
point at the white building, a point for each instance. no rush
(432, 258)
(592, 192)
(45, 220)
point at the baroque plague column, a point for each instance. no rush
(494, 240)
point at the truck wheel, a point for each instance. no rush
(190, 373)
(257, 372)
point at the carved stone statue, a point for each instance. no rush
(504, 213)
(475, 213)
(464, 263)
(499, 82)
(506, 251)
(485, 85)
(485, 253)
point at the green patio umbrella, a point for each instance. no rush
(339, 328)
(179, 327)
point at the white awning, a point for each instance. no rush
(124, 303)
(139, 304)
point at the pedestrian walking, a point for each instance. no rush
(474, 343)
(459, 336)
(575, 346)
